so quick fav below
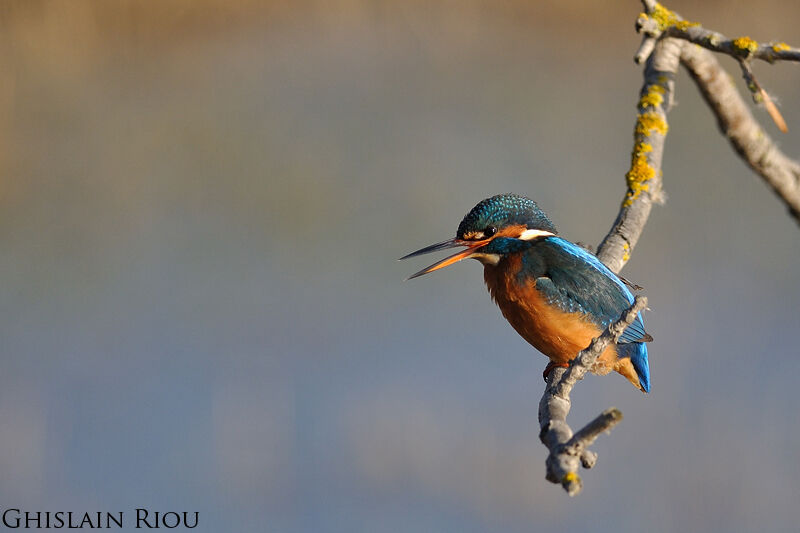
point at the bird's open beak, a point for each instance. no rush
(472, 247)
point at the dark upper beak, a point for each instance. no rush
(472, 246)
(444, 245)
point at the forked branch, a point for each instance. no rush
(569, 451)
(668, 41)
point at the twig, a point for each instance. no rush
(738, 48)
(761, 96)
(657, 21)
(737, 123)
(569, 451)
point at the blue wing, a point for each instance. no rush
(576, 281)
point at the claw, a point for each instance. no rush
(549, 368)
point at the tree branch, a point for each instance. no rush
(735, 120)
(644, 177)
(568, 451)
(737, 123)
(665, 45)
(668, 41)
(663, 22)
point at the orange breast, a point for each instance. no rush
(555, 333)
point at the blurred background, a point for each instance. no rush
(201, 204)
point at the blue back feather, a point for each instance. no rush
(576, 281)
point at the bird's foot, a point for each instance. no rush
(549, 368)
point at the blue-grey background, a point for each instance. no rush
(201, 204)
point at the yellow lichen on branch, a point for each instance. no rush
(745, 45)
(640, 172)
(653, 97)
(665, 18)
(570, 477)
(649, 121)
(684, 25)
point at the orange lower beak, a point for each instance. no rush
(472, 247)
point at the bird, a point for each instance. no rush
(554, 293)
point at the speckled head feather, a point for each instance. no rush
(504, 210)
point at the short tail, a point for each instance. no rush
(637, 351)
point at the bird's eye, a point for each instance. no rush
(489, 231)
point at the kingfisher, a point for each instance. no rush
(555, 294)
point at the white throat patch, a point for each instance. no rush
(486, 259)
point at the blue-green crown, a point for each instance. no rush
(504, 210)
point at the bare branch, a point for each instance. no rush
(645, 49)
(737, 123)
(667, 42)
(644, 176)
(569, 451)
(738, 48)
(760, 96)
(664, 46)
(657, 21)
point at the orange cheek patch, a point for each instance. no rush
(511, 231)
